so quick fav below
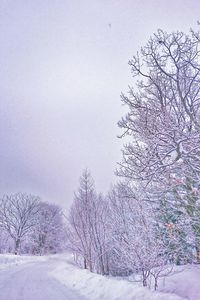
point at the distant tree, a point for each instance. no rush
(48, 232)
(5, 241)
(18, 215)
(163, 123)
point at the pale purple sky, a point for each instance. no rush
(63, 68)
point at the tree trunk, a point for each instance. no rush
(155, 283)
(198, 254)
(144, 278)
(85, 263)
(17, 244)
(90, 266)
(144, 281)
(101, 263)
(107, 271)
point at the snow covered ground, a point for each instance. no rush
(10, 260)
(181, 285)
(56, 277)
(185, 283)
(27, 278)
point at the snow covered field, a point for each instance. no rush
(67, 279)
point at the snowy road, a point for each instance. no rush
(32, 282)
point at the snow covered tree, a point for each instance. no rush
(6, 243)
(136, 238)
(173, 216)
(18, 215)
(48, 232)
(79, 230)
(88, 226)
(163, 122)
(99, 233)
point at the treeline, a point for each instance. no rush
(151, 220)
(30, 226)
(125, 233)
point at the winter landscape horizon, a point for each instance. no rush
(100, 150)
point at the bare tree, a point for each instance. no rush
(79, 231)
(18, 215)
(5, 241)
(135, 235)
(48, 232)
(88, 232)
(100, 233)
(163, 122)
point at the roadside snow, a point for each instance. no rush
(184, 283)
(9, 260)
(96, 287)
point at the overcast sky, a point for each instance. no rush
(63, 65)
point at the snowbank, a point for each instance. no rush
(96, 287)
(9, 260)
(185, 283)
(182, 285)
